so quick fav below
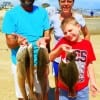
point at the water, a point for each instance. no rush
(87, 12)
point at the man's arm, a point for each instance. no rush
(11, 41)
(15, 40)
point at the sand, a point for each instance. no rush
(6, 78)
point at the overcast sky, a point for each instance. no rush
(88, 4)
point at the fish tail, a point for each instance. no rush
(72, 93)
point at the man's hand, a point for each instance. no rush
(43, 41)
(15, 40)
(21, 40)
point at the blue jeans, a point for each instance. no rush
(81, 95)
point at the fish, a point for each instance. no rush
(69, 74)
(25, 63)
(43, 71)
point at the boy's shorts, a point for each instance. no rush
(37, 88)
(81, 95)
(55, 68)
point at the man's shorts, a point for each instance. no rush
(37, 88)
(55, 68)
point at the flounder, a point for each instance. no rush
(69, 74)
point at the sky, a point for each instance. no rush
(85, 4)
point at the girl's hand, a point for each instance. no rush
(94, 90)
(66, 48)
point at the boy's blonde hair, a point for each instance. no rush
(68, 20)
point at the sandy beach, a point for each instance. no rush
(6, 79)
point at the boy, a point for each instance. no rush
(85, 56)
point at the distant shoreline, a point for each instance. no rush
(92, 22)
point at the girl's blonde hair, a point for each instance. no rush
(68, 20)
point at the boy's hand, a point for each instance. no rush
(94, 90)
(66, 48)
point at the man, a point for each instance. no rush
(22, 25)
